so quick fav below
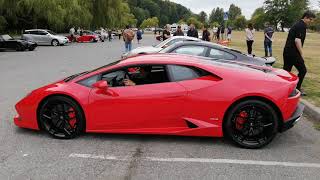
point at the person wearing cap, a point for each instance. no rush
(179, 32)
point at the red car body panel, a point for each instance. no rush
(164, 108)
(87, 38)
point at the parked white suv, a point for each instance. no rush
(44, 37)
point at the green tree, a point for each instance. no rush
(258, 18)
(216, 15)
(284, 12)
(193, 20)
(234, 11)
(203, 17)
(150, 22)
(240, 22)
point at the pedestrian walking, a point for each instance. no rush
(128, 36)
(205, 34)
(292, 53)
(166, 33)
(110, 35)
(179, 32)
(139, 35)
(250, 37)
(229, 34)
(193, 31)
(268, 35)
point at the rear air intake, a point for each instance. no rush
(191, 125)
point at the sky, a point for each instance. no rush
(247, 6)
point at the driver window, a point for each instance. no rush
(137, 75)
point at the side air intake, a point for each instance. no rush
(191, 125)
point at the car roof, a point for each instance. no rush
(37, 30)
(185, 37)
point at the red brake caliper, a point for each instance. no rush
(241, 119)
(72, 116)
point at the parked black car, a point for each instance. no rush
(214, 51)
(7, 42)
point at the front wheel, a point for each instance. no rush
(61, 117)
(20, 48)
(55, 42)
(251, 124)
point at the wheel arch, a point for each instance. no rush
(59, 95)
(263, 99)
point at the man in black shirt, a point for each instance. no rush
(292, 54)
(206, 34)
(166, 33)
(179, 32)
(193, 32)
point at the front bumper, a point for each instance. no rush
(293, 119)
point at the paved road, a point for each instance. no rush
(26, 154)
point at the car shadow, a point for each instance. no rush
(100, 137)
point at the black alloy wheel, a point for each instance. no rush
(61, 117)
(251, 124)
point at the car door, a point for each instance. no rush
(145, 108)
(202, 107)
(45, 37)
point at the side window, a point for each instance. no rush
(219, 54)
(33, 32)
(115, 79)
(42, 33)
(191, 50)
(137, 75)
(181, 73)
(89, 81)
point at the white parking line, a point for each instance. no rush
(201, 160)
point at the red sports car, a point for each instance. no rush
(168, 95)
(87, 36)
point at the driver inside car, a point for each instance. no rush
(139, 76)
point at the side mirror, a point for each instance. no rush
(103, 85)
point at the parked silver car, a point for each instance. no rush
(44, 37)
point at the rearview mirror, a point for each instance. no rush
(101, 85)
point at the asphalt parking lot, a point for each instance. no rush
(26, 154)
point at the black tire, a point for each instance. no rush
(20, 47)
(31, 48)
(55, 42)
(61, 117)
(251, 124)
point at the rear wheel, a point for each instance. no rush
(251, 124)
(61, 117)
(55, 42)
(20, 47)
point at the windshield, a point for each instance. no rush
(7, 37)
(51, 32)
(163, 43)
(87, 72)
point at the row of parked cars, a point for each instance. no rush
(30, 39)
(197, 47)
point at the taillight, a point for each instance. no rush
(294, 92)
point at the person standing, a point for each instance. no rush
(128, 36)
(119, 33)
(222, 30)
(250, 37)
(218, 33)
(139, 35)
(166, 33)
(72, 33)
(193, 31)
(205, 34)
(229, 32)
(268, 34)
(179, 32)
(292, 53)
(110, 35)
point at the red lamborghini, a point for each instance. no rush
(168, 95)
